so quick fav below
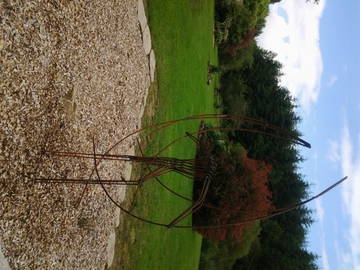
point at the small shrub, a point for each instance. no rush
(242, 59)
(223, 254)
(238, 192)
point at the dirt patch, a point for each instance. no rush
(70, 71)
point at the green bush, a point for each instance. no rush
(244, 58)
(237, 191)
(235, 19)
(223, 255)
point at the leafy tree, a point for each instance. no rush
(282, 240)
(238, 191)
(250, 85)
(237, 23)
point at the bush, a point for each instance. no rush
(237, 192)
(235, 20)
(242, 59)
(223, 254)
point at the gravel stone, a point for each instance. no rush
(152, 64)
(141, 15)
(147, 39)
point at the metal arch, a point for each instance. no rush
(163, 125)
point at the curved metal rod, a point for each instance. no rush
(129, 158)
(167, 124)
(277, 212)
(164, 125)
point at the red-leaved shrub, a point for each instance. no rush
(239, 192)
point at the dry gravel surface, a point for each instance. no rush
(70, 71)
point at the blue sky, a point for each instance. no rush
(318, 46)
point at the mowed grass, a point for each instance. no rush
(183, 43)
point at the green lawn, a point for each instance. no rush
(182, 35)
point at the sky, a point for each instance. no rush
(318, 47)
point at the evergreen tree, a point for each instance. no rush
(282, 241)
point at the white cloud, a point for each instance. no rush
(295, 39)
(333, 79)
(350, 163)
(324, 258)
(320, 210)
(338, 252)
(334, 151)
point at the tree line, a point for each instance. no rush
(250, 85)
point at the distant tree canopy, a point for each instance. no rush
(250, 85)
(281, 245)
(238, 22)
(258, 87)
(238, 191)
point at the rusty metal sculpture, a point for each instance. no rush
(203, 166)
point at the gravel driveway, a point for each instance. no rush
(70, 71)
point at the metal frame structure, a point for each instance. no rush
(185, 167)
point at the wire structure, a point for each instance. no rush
(203, 166)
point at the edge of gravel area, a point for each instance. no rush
(4, 265)
(146, 37)
(46, 32)
(125, 236)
